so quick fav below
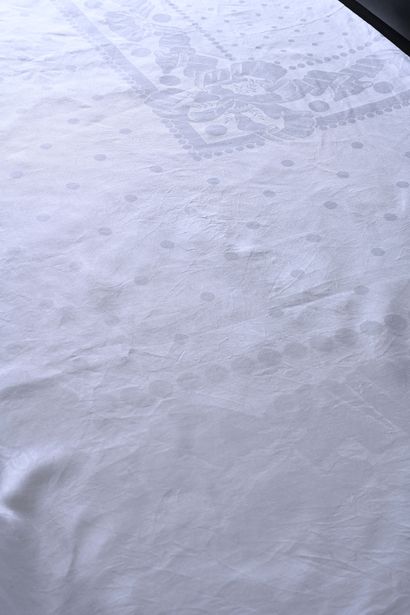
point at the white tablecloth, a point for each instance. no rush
(205, 245)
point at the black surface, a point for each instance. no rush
(390, 17)
(395, 13)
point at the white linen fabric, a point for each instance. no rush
(204, 310)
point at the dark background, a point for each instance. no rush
(390, 17)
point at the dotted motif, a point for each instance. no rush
(185, 130)
(200, 29)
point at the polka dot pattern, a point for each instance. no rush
(205, 265)
(207, 296)
(167, 244)
(313, 238)
(104, 230)
(141, 280)
(395, 322)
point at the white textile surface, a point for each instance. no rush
(204, 311)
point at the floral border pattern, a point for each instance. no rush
(216, 104)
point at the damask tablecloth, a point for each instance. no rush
(204, 379)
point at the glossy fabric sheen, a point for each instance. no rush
(204, 310)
